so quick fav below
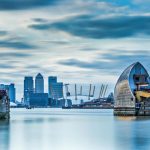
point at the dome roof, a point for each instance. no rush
(126, 73)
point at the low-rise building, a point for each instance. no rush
(38, 99)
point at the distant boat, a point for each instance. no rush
(4, 105)
(66, 107)
(29, 107)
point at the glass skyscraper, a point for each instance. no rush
(55, 89)
(12, 92)
(28, 88)
(51, 79)
(39, 84)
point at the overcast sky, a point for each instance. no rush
(80, 41)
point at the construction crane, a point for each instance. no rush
(66, 89)
(67, 93)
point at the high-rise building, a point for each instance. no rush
(28, 88)
(51, 79)
(11, 91)
(55, 89)
(39, 84)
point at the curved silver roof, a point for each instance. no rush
(124, 89)
(126, 72)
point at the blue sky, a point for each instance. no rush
(80, 41)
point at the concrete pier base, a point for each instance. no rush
(131, 112)
(4, 115)
(124, 111)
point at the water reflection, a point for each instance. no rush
(41, 129)
(73, 130)
(4, 134)
(131, 118)
(132, 133)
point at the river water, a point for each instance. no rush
(57, 129)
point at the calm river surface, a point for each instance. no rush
(57, 129)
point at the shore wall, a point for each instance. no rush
(125, 111)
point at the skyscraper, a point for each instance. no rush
(28, 88)
(51, 79)
(55, 89)
(39, 84)
(12, 92)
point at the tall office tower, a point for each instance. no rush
(28, 88)
(55, 89)
(12, 92)
(39, 84)
(51, 79)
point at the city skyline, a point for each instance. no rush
(79, 41)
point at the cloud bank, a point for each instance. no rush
(88, 26)
(25, 4)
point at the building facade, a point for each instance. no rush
(39, 84)
(56, 90)
(38, 100)
(12, 92)
(51, 80)
(28, 88)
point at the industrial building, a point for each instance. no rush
(132, 91)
